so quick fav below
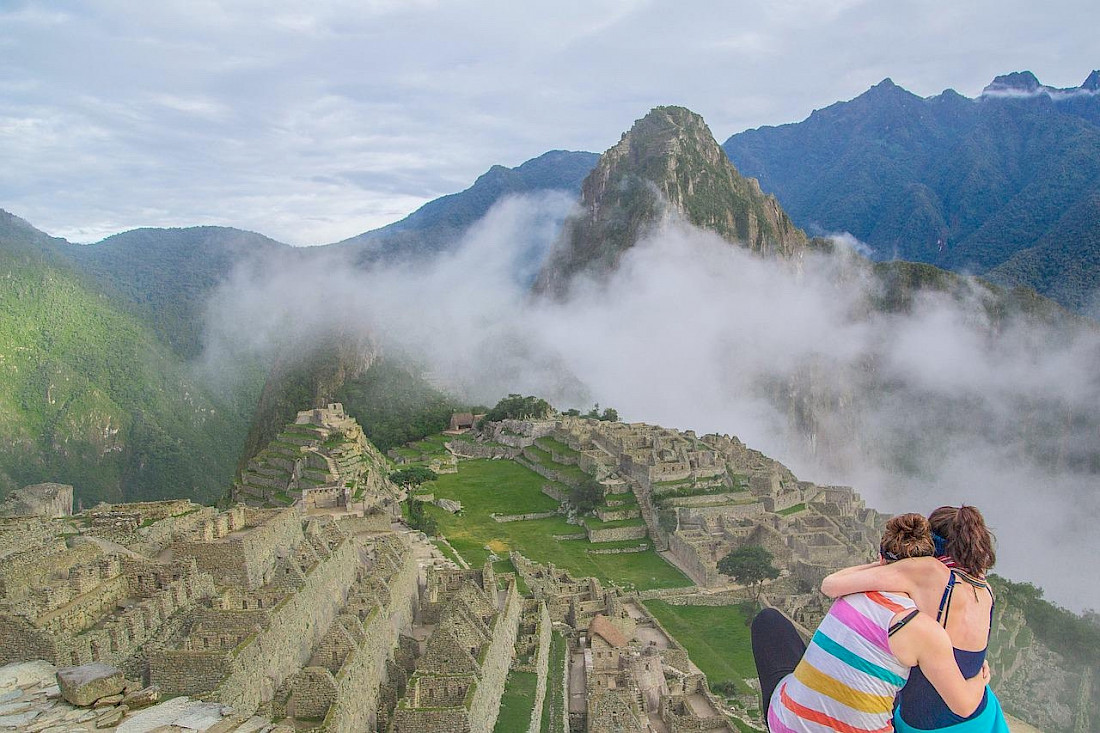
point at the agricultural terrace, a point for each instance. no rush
(504, 487)
(716, 639)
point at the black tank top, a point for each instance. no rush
(921, 706)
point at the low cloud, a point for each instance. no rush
(913, 410)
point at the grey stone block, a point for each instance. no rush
(85, 684)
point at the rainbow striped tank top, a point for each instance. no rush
(848, 677)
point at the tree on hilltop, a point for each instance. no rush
(413, 476)
(749, 565)
(518, 407)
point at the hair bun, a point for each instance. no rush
(912, 525)
(907, 535)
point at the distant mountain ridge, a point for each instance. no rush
(964, 184)
(431, 228)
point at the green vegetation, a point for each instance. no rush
(662, 497)
(443, 547)
(506, 566)
(505, 487)
(586, 495)
(555, 446)
(395, 405)
(1063, 631)
(90, 397)
(749, 565)
(165, 276)
(553, 709)
(543, 458)
(518, 407)
(419, 519)
(609, 414)
(413, 476)
(621, 501)
(791, 510)
(595, 523)
(1005, 187)
(517, 702)
(716, 639)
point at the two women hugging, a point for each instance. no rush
(902, 648)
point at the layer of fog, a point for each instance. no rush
(913, 411)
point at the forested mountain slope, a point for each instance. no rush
(964, 184)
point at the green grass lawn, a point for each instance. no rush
(505, 487)
(791, 510)
(517, 702)
(557, 446)
(553, 709)
(447, 552)
(544, 458)
(716, 639)
(626, 501)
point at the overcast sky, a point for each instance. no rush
(313, 122)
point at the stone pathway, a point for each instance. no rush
(31, 702)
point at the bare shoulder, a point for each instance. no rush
(923, 571)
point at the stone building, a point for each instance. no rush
(624, 671)
(268, 610)
(460, 675)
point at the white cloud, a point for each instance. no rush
(914, 411)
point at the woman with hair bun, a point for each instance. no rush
(951, 587)
(860, 655)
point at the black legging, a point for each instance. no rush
(777, 648)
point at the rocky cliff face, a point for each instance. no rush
(667, 166)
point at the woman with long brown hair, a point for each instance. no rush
(952, 588)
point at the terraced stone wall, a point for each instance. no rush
(485, 704)
(247, 559)
(295, 627)
(615, 534)
(360, 678)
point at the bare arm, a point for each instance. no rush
(923, 642)
(864, 578)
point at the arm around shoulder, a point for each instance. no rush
(864, 578)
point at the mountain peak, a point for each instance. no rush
(1018, 82)
(1092, 84)
(886, 90)
(667, 166)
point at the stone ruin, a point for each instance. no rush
(469, 625)
(624, 672)
(322, 460)
(700, 497)
(331, 621)
(263, 610)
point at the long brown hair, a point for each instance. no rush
(968, 541)
(907, 535)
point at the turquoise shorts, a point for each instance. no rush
(990, 720)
